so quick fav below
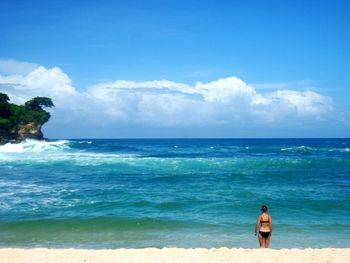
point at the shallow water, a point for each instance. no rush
(174, 192)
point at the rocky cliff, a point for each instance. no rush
(29, 130)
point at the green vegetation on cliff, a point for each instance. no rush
(14, 117)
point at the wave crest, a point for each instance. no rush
(30, 145)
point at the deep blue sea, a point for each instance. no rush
(174, 192)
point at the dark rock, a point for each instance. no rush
(24, 131)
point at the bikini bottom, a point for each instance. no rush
(264, 234)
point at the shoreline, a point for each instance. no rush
(154, 255)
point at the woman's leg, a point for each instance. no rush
(267, 242)
(260, 238)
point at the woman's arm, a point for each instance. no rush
(270, 225)
(257, 225)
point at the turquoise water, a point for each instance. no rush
(174, 193)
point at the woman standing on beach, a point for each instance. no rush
(265, 231)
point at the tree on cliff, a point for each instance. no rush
(38, 103)
(4, 98)
(4, 106)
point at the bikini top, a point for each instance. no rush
(264, 221)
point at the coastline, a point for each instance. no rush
(19, 255)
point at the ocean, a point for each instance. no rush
(135, 193)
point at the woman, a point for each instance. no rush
(265, 231)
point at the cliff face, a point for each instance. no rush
(7, 135)
(29, 130)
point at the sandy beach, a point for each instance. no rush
(154, 255)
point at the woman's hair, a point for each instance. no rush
(264, 208)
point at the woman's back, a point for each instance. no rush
(265, 222)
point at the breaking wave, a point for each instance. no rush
(307, 149)
(34, 146)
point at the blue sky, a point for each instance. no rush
(298, 46)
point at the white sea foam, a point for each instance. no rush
(34, 146)
(32, 151)
(303, 148)
(9, 147)
(314, 149)
(83, 142)
(94, 155)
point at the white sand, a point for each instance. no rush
(174, 255)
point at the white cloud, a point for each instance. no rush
(163, 103)
(296, 85)
(12, 67)
(307, 103)
(39, 82)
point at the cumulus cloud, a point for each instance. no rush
(11, 66)
(164, 103)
